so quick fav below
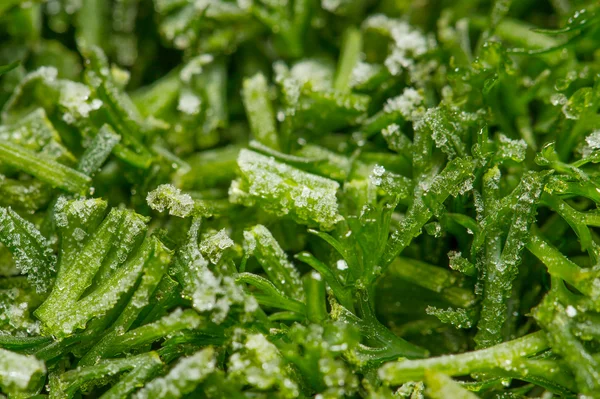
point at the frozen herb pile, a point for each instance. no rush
(299, 199)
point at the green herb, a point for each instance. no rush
(298, 199)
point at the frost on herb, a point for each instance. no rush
(207, 283)
(31, 251)
(407, 104)
(257, 362)
(299, 199)
(259, 242)
(284, 190)
(170, 198)
(182, 378)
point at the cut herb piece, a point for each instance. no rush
(98, 151)
(209, 287)
(31, 251)
(284, 190)
(45, 169)
(181, 379)
(293, 199)
(260, 111)
(454, 179)
(440, 386)
(20, 374)
(500, 269)
(57, 312)
(67, 384)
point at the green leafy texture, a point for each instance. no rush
(312, 159)
(30, 250)
(147, 368)
(73, 220)
(18, 299)
(455, 177)
(326, 163)
(287, 23)
(182, 378)
(459, 318)
(316, 350)
(461, 264)
(168, 197)
(508, 359)
(311, 103)
(19, 373)
(292, 199)
(118, 109)
(264, 182)
(316, 304)
(350, 55)
(432, 278)
(180, 21)
(257, 362)
(24, 195)
(441, 386)
(562, 268)
(260, 111)
(271, 295)
(98, 151)
(175, 321)
(555, 318)
(209, 169)
(501, 268)
(44, 168)
(259, 242)
(67, 384)
(35, 132)
(385, 345)
(98, 252)
(210, 289)
(395, 113)
(106, 295)
(154, 270)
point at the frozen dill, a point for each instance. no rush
(299, 199)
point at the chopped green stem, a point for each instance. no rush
(23, 344)
(343, 294)
(440, 386)
(316, 302)
(259, 241)
(466, 363)
(553, 316)
(98, 151)
(176, 321)
(147, 368)
(432, 278)
(181, 379)
(43, 168)
(271, 295)
(559, 266)
(260, 111)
